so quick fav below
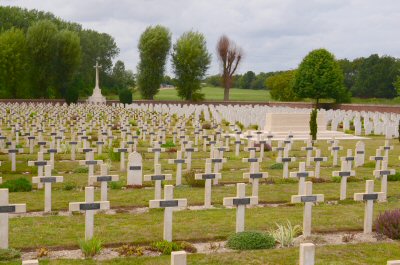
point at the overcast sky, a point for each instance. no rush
(274, 34)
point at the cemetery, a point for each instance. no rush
(193, 158)
(135, 182)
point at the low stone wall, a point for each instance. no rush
(355, 107)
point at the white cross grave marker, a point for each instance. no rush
(207, 176)
(47, 179)
(157, 178)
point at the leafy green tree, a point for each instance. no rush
(13, 63)
(213, 80)
(376, 77)
(154, 45)
(281, 86)
(259, 81)
(320, 77)
(68, 59)
(190, 61)
(396, 85)
(247, 80)
(42, 43)
(122, 79)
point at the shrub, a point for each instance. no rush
(253, 127)
(130, 250)
(188, 247)
(168, 144)
(250, 240)
(116, 185)
(17, 185)
(276, 166)
(191, 181)
(113, 156)
(81, 170)
(395, 177)
(337, 179)
(285, 234)
(69, 186)
(388, 224)
(313, 124)
(90, 247)
(9, 254)
(42, 252)
(206, 126)
(240, 125)
(165, 247)
(133, 122)
(125, 96)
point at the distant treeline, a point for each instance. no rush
(42, 56)
(366, 77)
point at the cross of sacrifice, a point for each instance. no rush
(168, 203)
(89, 206)
(122, 150)
(318, 159)
(178, 161)
(369, 196)
(47, 179)
(383, 174)
(344, 173)
(207, 176)
(240, 202)
(103, 178)
(302, 174)
(255, 175)
(308, 199)
(157, 178)
(134, 169)
(285, 160)
(5, 210)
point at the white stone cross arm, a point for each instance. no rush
(205, 176)
(252, 160)
(384, 172)
(47, 179)
(168, 203)
(307, 198)
(177, 161)
(90, 162)
(156, 177)
(368, 195)
(5, 207)
(257, 175)
(236, 201)
(216, 160)
(89, 206)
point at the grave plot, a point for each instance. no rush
(138, 180)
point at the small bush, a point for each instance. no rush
(90, 247)
(240, 125)
(276, 166)
(188, 247)
(116, 185)
(165, 247)
(69, 186)
(337, 179)
(168, 144)
(206, 126)
(17, 185)
(133, 122)
(313, 124)
(9, 254)
(125, 96)
(395, 177)
(253, 127)
(388, 224)
(81, 170)
(250, 240)
(191, 181)
(113, 156)
(285, 234)
(130, 250)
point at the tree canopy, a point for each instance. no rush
(319, 76)
(190, 61)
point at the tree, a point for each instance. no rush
(154, 45)
(376, 76)
(68, 59)
(41, 39)
(396, 85)
(122, 78)
(13, 62)
(281, 86)
(247, 80)
(319, 76)
(190, 61)
(229, 56)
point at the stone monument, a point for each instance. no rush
(97, 97)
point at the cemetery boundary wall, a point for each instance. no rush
(354, 107)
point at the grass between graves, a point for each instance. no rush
(357, 254)
(188, 225)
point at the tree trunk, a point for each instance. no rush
(226, 93)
